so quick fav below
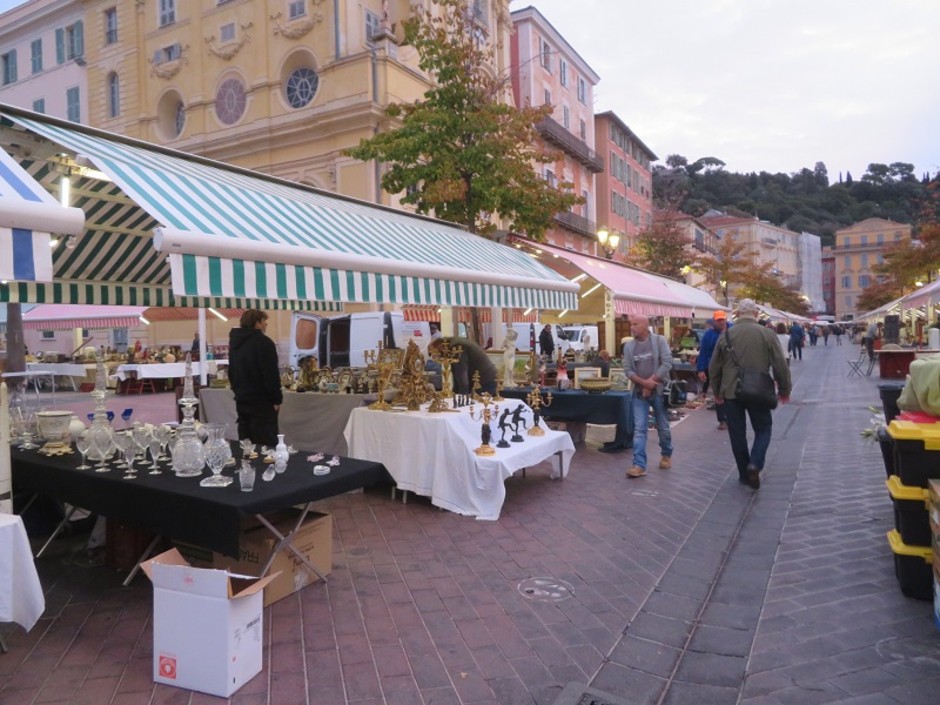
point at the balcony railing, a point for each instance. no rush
(576, 222)
(561, 137)
(866, 246)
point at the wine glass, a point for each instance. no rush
(103, 442)
(83, 445)
(141, 436)
(126, 415)
(129, 449)
(110, 417)
(154, 445)
(121, 441)
(29, 430)
(163, 433)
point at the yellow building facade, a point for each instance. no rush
(858, 249)
(280, 86)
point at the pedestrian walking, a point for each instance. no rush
(837, 332)
(871, 335)
(797, 336)
(256, 382)
(546, 342)
(825, 334)
(706, 349)
(647, 362)
(748, 346)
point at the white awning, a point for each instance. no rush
(28, 216)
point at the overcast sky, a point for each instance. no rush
(773, 85)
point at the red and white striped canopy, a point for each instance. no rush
(462, 314)
(68, 316)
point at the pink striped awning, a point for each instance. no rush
(633, 290)
(68, 316)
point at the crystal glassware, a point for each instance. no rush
(154, 446)
(128, 446)
(218, 452)
(121, 441)
(82, 445)
(126, 415)
(246, 476)
(141, 435)
(103, 446)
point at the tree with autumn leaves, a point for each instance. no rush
(733, 270)
(462, 152)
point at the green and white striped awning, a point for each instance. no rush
(281, 241)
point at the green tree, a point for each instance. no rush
(462, 152)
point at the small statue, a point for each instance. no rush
(503, 426)
(509, 357)
(561, 379)
(516, 420)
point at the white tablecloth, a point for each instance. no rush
(166, 370)
(432, 455)
(67, 369)
(21, 598)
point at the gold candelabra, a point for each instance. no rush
(447, 356)
(499, 390)
(534, 400)
(384, 367)
(475, 386)
(486, 415)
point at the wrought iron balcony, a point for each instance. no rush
(556, 133)
(576, 222)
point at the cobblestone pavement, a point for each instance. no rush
(680, 587)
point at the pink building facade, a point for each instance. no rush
(547, 70)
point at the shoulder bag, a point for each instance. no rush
(754, 387)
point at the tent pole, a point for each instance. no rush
(203, 367)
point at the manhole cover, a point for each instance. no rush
(545, 589)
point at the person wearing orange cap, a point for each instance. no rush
(706, 349)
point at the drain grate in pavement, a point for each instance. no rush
(545, 589)
(579, 694)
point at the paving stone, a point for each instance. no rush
(711, 669)
(700, 694)
(721, 640)
(644, 655)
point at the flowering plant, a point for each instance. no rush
(876, 423)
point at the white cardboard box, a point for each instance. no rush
(207, 625)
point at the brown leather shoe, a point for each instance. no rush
(665, 462)
(753, 478)
(635, 472)
(723, 426)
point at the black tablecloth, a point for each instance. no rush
(177, 507)
(612, 407)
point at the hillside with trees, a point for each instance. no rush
(807, 200)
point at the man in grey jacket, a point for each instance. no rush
(647, 362)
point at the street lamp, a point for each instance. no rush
(608, 242)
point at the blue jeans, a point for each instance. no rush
(762, 423)
(641, 414)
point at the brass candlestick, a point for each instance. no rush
(447, 356)
(499, 390)
(486, 416)
(534, 400)
(475, 386)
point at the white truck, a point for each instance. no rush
(340, 341)
(578, 338)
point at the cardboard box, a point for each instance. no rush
(207, 625)
(314, 540)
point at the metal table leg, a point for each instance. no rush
(143, 556)
(287, 541)
(55, 533)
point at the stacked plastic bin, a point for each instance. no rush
(933, 499)
(916, 462)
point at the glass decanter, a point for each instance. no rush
(218, 452)
(101, 431)
(189, 454)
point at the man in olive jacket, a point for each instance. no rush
(757, 348)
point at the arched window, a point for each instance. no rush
(114, 95)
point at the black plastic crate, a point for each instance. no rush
(886, 443)
(911, 512)
(913, 567)
(915, 465)
(889, 392)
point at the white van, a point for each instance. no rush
(340, 341)
(578, 338)
(525, 334)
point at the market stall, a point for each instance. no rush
(432, 454)
(331, 412)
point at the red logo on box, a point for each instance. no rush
(168, 667)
